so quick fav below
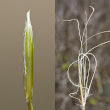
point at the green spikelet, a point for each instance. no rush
(28, 61)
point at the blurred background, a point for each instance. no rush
(67, 46)
(12, 23)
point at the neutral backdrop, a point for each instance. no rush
(12, 22)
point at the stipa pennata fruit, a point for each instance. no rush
(84, 84)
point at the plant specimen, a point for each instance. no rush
(28, 61)
(84, 84)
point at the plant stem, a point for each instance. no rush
(30, 106)
(83, 107)
(81, 89)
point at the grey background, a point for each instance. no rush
(12, 22)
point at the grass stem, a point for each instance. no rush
(30, 106)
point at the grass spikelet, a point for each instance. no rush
(28, 61)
